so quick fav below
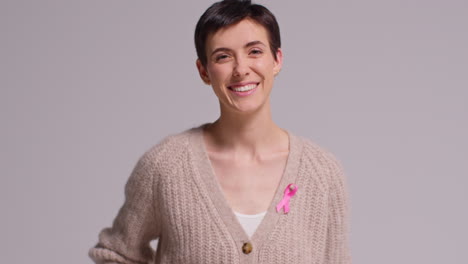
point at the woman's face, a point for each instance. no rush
(240, 66)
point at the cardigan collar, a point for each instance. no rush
(216, 195)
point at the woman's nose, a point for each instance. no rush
(241, 68)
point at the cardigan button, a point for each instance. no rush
(247, 248)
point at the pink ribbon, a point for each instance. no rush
(289, 192)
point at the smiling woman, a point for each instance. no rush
(241, 67)
(239, 189)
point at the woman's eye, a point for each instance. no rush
(221, 57)
(256, 52)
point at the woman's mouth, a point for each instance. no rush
(244, 90)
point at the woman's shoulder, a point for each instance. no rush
(317, 154)
(169, 148)
(321, 162)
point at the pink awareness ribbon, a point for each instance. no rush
(289, 192)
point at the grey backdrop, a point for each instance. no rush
(88, 86)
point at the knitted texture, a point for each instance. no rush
(173, 195)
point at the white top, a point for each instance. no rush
(250, 222)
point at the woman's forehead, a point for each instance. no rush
(237, 35)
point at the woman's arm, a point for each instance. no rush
(337, 239)
(128, 240)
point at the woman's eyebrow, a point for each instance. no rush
(220, 49)
(251, 43)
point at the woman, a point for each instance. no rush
(241, 189)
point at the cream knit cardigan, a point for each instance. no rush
(172, 194)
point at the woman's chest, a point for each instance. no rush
(249, 188)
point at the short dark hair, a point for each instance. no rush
(228, 12)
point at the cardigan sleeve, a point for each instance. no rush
(337, 247)
(127, 241)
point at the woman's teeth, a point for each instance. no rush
(244, 88)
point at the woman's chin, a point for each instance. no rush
(250, 108)
(245, 107)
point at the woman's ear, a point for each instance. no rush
(278, 61)
(203, 73)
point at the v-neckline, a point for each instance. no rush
(215, 193)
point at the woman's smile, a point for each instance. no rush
(243, 89)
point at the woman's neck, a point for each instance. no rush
(249, 136)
